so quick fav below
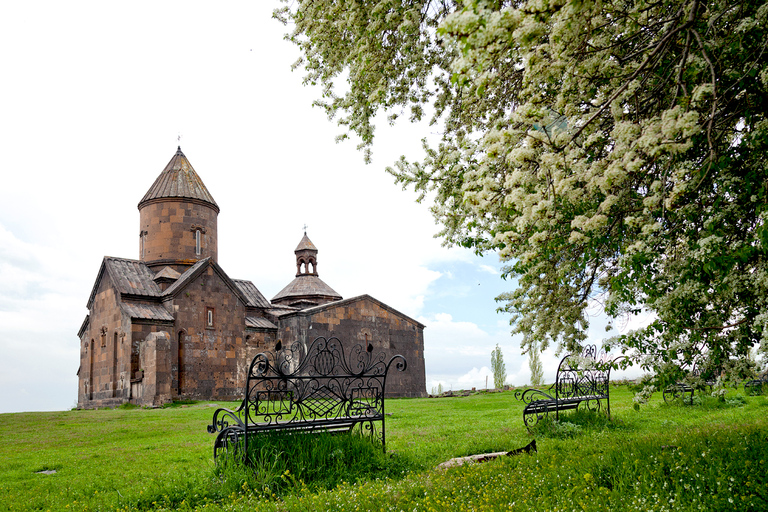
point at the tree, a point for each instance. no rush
(498, 368)
(612, 152)
(534, 364)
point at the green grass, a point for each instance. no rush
(161, 459)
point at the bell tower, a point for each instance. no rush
(306, 257)
(178, 219)
(307, 289)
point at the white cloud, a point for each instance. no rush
(476, 378)
(489, 269)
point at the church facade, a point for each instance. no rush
(173, 325)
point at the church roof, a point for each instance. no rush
(306, 244)
(259, 323)
(255, 298)
(134, 279)
(197, 269)
(167, 273)
(347, 302)
(307, 285)
(130, 277)
(146, 311)
(281, 309)
(191, 273)
(179, 180)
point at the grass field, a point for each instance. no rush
(709, 456)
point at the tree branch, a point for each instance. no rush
(671, 32)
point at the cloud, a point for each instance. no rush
(41, 309)
(458, 352)
(476, 378)
(489, 269)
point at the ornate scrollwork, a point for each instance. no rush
(315, 388)
(532, 395)
(221, 419)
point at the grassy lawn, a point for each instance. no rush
(709, 456)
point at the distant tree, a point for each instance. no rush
(498, 368)
(611, 152)
(534, 363)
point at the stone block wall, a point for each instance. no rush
(362, 321)
(155, 360)
(210, 355)
(104, 353)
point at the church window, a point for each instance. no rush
(197, 242)
(209, 317)
(143, 241)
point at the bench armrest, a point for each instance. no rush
(222, 418)
(532, 395)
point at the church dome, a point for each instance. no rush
(179, 180)
(307, 289)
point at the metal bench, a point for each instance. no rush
(305, 390)
(582, 380)
(756, 386)
(683, 390)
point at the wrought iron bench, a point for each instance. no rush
(304, 390)
(683, 390)
(582, 380)
(755, 386)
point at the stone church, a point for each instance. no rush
(173, 325)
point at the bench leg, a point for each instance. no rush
(229, 445)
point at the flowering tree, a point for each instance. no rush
(612, 152)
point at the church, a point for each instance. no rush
(172, 325)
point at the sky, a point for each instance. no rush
(94, 99)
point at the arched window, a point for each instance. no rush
(143, 242)
(114, 365)
(90, 371)
(180, 364)
(198, 248)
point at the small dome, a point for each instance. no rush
(307, 289)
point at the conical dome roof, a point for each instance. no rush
(179, 180)
(306, 244)
(307, 287)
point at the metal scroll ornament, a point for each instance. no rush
(316, 388)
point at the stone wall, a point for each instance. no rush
(104, 353)
(364, 320)
(155, 361)
(209, 355)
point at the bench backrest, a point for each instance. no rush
(584, 374)
(319, 383)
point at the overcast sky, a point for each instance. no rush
(93, 99)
